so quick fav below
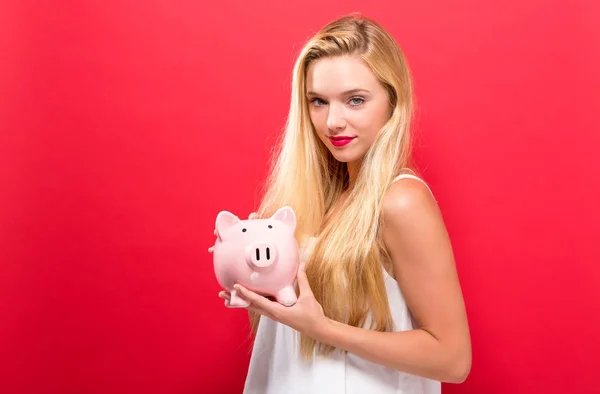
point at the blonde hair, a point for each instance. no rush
(345, 266)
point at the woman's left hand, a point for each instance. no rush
(305, 316)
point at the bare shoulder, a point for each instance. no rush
(408, 198)
(413, 228)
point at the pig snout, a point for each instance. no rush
(261, 256)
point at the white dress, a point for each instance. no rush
(275, 365)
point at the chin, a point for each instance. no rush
(344, 157)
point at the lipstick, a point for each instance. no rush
(341, 140)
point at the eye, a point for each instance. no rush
(270, 226)
(317, 102)
(243, 230)
(357, 103)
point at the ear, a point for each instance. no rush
(286, 215)
(224, 221)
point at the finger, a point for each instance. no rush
(211, 249)
(303, 284)
(225, 295)
(259, 301)
(215, 232)
(253, 215)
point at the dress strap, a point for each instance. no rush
(410, 176)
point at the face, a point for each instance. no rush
(348, 105)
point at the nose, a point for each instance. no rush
(261, 256)
(335, 118)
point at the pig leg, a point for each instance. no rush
(236, 301)
(287, 296)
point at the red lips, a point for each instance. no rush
(340, 140)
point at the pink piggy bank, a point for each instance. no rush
(259, 254)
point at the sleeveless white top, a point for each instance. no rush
(276, 368)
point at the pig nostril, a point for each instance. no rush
(257, 254)
(268, 254)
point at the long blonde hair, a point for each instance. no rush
(345, 266)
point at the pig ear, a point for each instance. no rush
(286, 215)
(224, 221)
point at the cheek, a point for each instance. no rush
(370, 121)
(364, 123)
(319, 121)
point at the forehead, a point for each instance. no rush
(332, 75)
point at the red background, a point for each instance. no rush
(127, 125)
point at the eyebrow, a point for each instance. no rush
(347, 92)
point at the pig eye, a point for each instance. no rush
(270, 226)
(243, 230)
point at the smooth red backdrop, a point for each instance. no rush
(125, 126)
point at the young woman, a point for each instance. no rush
(380, 307)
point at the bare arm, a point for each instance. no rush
(416, 237)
